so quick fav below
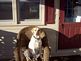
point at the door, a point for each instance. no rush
(70, 24)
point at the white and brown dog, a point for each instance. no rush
(35, 44)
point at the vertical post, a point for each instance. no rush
(15, 10)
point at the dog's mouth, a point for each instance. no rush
(36, 37)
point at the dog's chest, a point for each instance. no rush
(35, 45)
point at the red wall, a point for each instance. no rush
(49, 11)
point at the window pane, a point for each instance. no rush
(29, 9)
(5, 10)
(73, 11)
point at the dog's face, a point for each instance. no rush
(37, 32)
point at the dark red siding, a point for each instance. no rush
(69, 32)
(49, 11)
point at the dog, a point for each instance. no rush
(34, 46)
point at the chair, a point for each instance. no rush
(23, 39)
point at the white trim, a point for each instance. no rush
(6, 23)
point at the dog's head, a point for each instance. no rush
(37, 32)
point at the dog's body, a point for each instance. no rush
(34, 46)
(30, 40)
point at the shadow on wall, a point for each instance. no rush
(7, 44)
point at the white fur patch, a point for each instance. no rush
(35, 46)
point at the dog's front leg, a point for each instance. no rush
(46, 54)
(27, 55)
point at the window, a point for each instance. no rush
(73, 11)
(29, 9)
(22, 12)
(5, 10)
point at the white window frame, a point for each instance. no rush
(16, 16)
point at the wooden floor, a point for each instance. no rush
(69, 58)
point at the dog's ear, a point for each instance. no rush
(42, 34)
(32, 30)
